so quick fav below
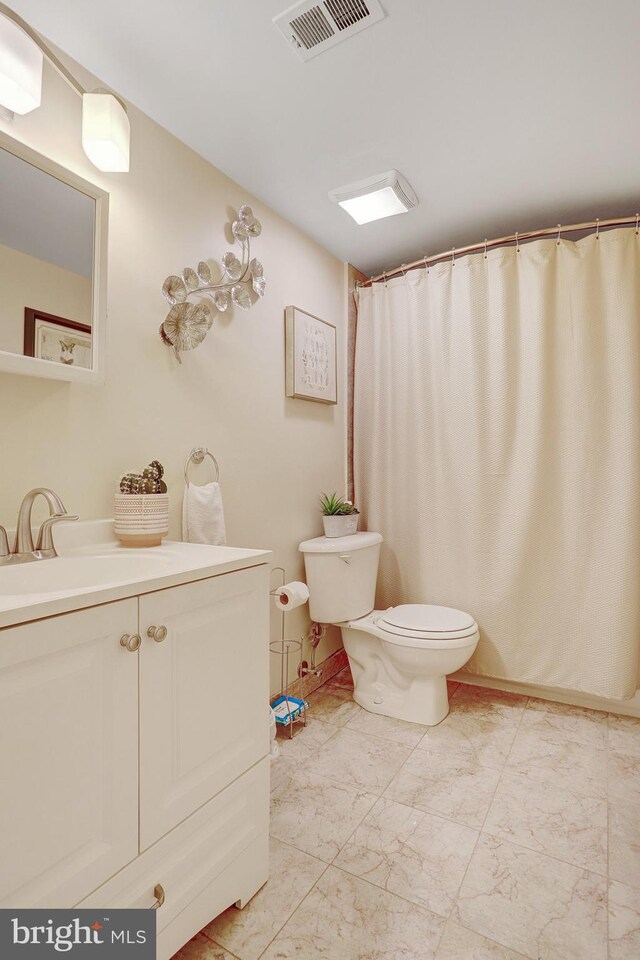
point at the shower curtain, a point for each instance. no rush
(497, 449)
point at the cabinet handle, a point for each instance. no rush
(131, 642)
(157, 633)
(158, 892)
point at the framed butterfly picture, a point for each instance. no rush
(57, 339)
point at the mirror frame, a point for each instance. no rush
(33, 366)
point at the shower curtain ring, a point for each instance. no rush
(402, 268)
(517, 243)
(426, 265)
(384, 278)
(637, 222)
(597, 229)
(558, 240)
(453, 256)
(485, 248)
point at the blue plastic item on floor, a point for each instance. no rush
(288, 709)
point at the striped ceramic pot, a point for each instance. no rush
(141, 520)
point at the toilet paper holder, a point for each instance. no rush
(315, 635)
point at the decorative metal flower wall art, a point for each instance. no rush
(194, 296)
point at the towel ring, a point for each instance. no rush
(197, 455)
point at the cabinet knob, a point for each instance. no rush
(157, 633)
(158, 892)
(131, 641)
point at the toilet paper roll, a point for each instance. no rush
(292, 595)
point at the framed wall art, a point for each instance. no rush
(311, 357)
(48, 337)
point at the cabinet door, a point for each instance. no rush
(68, 755)
(203, 693)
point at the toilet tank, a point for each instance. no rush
(341, 576)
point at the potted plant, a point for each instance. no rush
(141, 508)
(340, 517)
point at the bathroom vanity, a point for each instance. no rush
(134, 730)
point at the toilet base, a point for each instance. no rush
(393, 682)
(426, 702)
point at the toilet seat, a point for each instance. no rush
(426, 625)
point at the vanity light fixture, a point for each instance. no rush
(105, 132)
(20, 69)
(384, 195)
(105, 124)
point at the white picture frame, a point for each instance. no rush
(311, 357)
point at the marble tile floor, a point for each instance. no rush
(511, 831)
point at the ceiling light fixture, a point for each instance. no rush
(105, 124)
(384, 195)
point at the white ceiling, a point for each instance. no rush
(503, 114)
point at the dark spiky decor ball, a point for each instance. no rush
(149, 481)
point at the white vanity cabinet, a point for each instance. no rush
(137, 776)
(68, 755)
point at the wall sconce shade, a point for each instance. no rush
(20, 69)
(105, 132)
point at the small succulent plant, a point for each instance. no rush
(333, 505)
(148, 481)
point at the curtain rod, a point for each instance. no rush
(557, 231)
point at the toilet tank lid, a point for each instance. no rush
(355, 541)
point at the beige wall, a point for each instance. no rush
(275, 454)
(26, 281)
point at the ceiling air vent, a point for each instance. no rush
(312, 27)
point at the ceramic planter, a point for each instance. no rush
(141, 520)
(341, 526)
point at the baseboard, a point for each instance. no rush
(330, 667)
(625, 708)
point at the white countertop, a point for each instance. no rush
(92, 568)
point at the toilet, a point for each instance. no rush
(400, 657)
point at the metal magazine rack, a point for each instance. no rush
(288, 710)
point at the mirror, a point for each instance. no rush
(52, 268)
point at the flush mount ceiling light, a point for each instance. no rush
(105, 125)
(384, 195)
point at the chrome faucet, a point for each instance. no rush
(23, 549)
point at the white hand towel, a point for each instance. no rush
(203, 514)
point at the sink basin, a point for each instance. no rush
(63, 574)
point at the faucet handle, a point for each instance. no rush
(4, 543)
(45, 538)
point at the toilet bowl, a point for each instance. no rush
(400, 657)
